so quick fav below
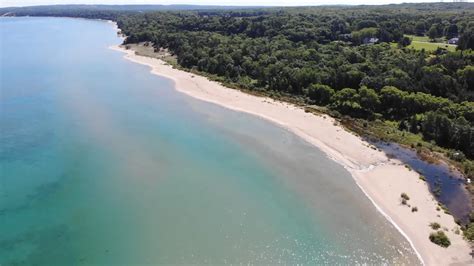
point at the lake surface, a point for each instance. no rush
(104, 163)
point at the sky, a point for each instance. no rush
(5, 3)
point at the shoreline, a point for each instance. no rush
(381, 179)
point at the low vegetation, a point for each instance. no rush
(440, 239)
(404, 196)
(468, 229)
(469, 232)
(435, 226)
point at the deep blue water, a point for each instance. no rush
(103, 163)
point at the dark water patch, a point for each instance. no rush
(44, 190)
(446, 185)
(31, 246)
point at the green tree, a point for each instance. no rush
(466, 41)
(451, 31)
(466, 76)
(420, 28)
(392, 100)
(320, 94)
(347, 102)
(404, 42)
(433, 32)
(369, 99)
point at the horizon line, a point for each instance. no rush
(255, 6)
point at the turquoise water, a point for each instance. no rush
(103, 163)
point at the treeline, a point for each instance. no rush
(106, 12)
(447, 123)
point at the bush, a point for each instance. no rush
(469, 232)
(440, 239)
(404, 196)
(414, 209)
(435, 226)
(404, 42)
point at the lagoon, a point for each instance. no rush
(103, 163)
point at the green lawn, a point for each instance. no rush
(423, 42)
(431, 46)
(418, 38)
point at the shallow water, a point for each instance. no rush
(104, 163)
(446, 185)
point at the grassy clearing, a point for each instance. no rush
(148, 50)
(423, 42)
(394, 45)
(416, 38)
(429, 47)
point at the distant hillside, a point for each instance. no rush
(101, 11)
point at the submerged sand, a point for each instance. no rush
(381, 179)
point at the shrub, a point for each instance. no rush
(440, 239)
(469, 232)
(414, 209)
(404, 196)
(435, 226)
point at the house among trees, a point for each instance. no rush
(345, 37)
(371, 40)
(453, 41)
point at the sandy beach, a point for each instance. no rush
(381, 179)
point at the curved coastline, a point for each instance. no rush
(380, 178)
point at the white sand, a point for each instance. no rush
(381, 179)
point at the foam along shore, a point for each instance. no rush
(380, 178)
